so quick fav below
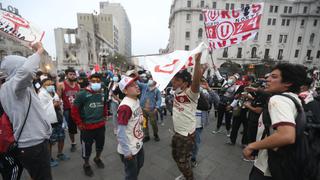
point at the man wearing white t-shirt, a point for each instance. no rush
(285, 79)
(184, 119)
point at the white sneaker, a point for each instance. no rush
(216, 131)
(181, 177)
(228, 133)
(162, 124)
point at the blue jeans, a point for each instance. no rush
(114, 109)
(196, 145)
(132, 167)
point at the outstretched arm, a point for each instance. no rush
(196, 74)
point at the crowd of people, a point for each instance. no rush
(41, 107)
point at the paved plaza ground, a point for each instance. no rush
(217, 161)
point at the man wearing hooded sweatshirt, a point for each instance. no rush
(16, 94)
(89, 112)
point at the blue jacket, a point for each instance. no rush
(154, 96)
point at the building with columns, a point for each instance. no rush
(289, 31)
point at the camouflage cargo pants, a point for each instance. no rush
(181, 153)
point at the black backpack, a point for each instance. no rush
(301, 160)
(203, 103)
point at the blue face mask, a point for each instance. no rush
(50, 89)
(115, 79)
(95, 86)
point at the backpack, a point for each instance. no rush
(7, 141)
(298, 161)
(203, 103)
(6, 134)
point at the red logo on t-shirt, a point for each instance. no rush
(137, 131)
(183, 99)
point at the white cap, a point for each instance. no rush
(43, 77)
(128, 73)
(125, 81)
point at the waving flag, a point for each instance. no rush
(164, 67)
(19, 29)
(225, 28)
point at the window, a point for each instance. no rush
(302, 23)
(239, 54)
(285, 9)
(225, 53)
(283, 22)
(315, 22)
(276, 9)
(232, 6)
(274, 21)
(288, 22)
(242, 6)
(280, 39)
(188, 35)
(305, 9)
(299, 39)
(309, 54)
(201, 17)
(318, 54)
(285, 37)
(200, 32)
(311, 38)
(271, 9)
(318, 9)
(254, 52)
(296, 53)
(227, 6)
(280, 54)
(256, 36)
(269, 21)
(214, 5)
(266, 53)
(269, 38)
(189, 4)
(290, 10)
(188, 17)
(202, 4)
(186, 47)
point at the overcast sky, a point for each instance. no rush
(149, 19)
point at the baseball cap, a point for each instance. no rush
(126, 81)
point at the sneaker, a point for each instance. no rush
(216, 131)
(162, 124)
(99, 163)
(230, 143)
(247, 160)
(181, 177)
(156, 138)
(73, 147)
(54, 163)
(228, 133)
(146, 139)
(194, 164)
(87, 170)
(115, 132)
(63, 157)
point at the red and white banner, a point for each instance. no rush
(164, 67)
(225, 28)
(19, 29)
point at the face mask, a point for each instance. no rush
(230, 81)
(178, 90)
(115, 79)
(50, 89)
(95, 86)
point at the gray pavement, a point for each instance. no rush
(217, 161)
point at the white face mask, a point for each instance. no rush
(178, 90)
(230, 81)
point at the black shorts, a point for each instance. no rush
(72, 127)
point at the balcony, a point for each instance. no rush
(308, 59)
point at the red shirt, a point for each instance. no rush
(69, 94)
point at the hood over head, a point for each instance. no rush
(11, 63)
